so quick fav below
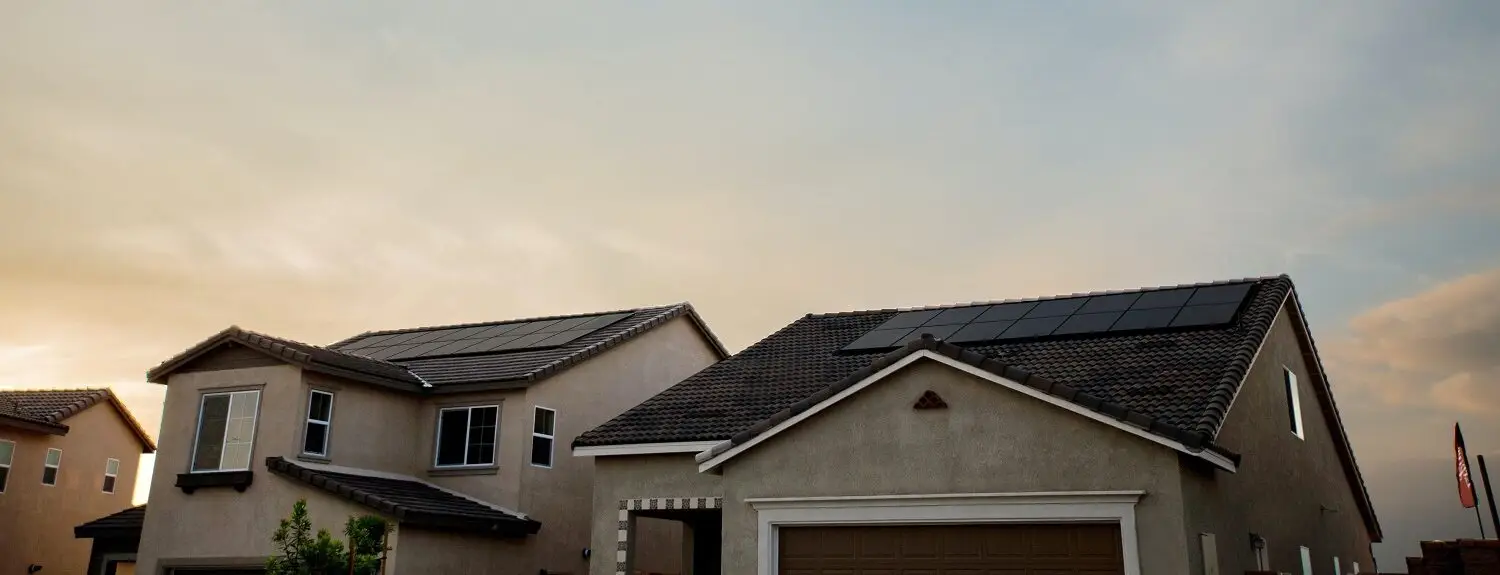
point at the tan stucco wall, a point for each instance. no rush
(37, 521)
(990, 439)
(372, 427)
(501, 484)
(658, 547)
(422, 552)
(1295, 477)
(585, 397)
(221, 522)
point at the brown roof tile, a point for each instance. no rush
(51, 407)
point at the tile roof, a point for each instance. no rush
(49, 408)
(511, 368)
(124, 524)
(1182, 378)
(411, 502)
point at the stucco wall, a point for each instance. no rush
(585, 397)
(37, 521)
(639, 477)
(1285, 487)
(499, 484)
(423, 552)
(990, 439)
(239, 525)
(372, 427)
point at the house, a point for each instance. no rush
(66, 456)
(1173, 430)
(452, 433)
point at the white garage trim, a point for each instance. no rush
(707, 463)
(644, 448)
(958, 508)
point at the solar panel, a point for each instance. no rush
(524, 341)
(400, 338)
(604, 321)
(491, 344)
(427, 336)
(1166, 308)
(566, 324)
(531, 327)
(387, 352)
(564, 337)
(368, 341)
(453, 347)
(910, 319)
(1089, 323)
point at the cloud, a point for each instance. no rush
(1437, 348)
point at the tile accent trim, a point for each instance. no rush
(622, 549)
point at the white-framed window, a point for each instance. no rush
(7, 456)
(1293, 402)
(1262, 553)
(319, 423)
(1337, 568)
(543, 433)
(51, 465)
(1306, 561)
(1354, 568)
(226, 431)
(111, 472)
(466, 435)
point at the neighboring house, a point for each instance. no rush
(457, 434)
(1162, 431)
(66, 456)
(116, 538)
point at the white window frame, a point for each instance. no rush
(327, 424)
(1338, 568)
(8, 463)
(437, 444)
(55, 467)
(551, 445)
(938, 509)
(198, 430)
(1355, 569)
(1306, 560)
(1294, 400)
(108, 475)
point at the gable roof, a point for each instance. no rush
(46, 410)
(410, 501)
(124, 524)
(450, 373)
(1179, 383)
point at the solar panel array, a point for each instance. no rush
(479, 339)
(1125, 312)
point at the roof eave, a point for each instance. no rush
(35, 426)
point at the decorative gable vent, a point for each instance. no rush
(930, 400)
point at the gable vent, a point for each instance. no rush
(930, 400)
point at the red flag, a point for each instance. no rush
(1465, 483)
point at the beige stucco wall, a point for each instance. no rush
(423, 552)
(500, 484)
(989, 440)
(221, 522)
(37, 521)
(372, 427)
(658, 549)
(585, 397)
(1302, 477)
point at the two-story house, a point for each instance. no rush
(456, 434)
(66, 456)
(1162, 431)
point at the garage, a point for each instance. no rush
(994, 549)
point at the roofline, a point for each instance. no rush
(91, 530)
(645, 448)
(986, 368)
(286, 353)
(54, 425)
(497, 322)
(1045, 298)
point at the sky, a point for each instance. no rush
(315, 170)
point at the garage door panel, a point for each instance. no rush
(999, 549)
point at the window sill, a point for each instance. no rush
(455, 471)
(310, 458)
(239, 480)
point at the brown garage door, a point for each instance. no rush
(1072, 549)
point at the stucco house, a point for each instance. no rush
(1174, 430)
(66, 456)
(453, 433)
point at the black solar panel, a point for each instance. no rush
(1074, 316)
(480, 339)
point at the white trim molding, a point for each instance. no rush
(936, 509)
(1214, 458)
(644, 448)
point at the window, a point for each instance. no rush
(1354, 568)
(226, 431)
(111, 471)
(1337, 569)
(543, 428)
(466, 435)
(1293, 404)
(1210, 549)
(49, 468)
(7, 454)
(1262, 554)
(1306, 561)
(319, 422)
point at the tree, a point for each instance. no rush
(301, 552)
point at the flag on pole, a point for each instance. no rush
(1465, 482)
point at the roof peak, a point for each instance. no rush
(505, 321)
(1050, 297)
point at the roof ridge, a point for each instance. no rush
(1045, 298)
(4, 390)
(316, 346)
(502, 321)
